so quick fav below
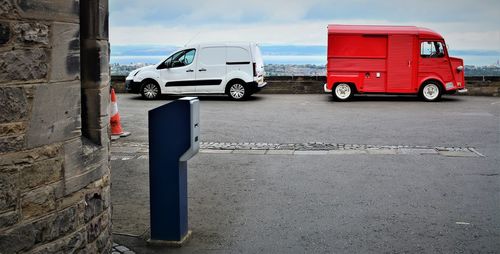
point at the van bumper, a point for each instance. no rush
(325, 88)
(132, 87)
(256, 87)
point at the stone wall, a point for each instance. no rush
(478, 86)
(54, 180)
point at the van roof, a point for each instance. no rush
(240, 44)
(375, 29)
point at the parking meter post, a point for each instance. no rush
(171, 144)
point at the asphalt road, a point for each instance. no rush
(357, 203)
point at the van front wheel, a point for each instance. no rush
(150, 90)
(342, 92)
(431, 91)
(237, 91)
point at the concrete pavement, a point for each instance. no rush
(344, 202)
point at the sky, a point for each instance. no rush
(465, 25)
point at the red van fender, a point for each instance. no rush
(422, 81)
(343, 78)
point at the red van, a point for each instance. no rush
(390, 60)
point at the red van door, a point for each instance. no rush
(434, 62)
(400, 64)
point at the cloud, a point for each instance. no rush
(464, 24)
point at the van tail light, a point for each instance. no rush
(255, 69)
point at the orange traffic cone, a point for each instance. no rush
(116, 127)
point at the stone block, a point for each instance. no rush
(89, 249)
(95, 16)
(71, 200)
(38, 202)
(65, 56)
(30, 156)
(80, 156)
(18, 239)
(6, 8)
(55, 226)
(5, 32)
(94, 205)
(9, 129)
(102, 241)
(61, 10)
(11, 143)
(56, 114)
(41, 173)
(95, 108)
(98, 136)
(8, 219)
(106, 196)
(23, 65)
(96, 61)
(31, 33)
(14, 104)
(68, 244)
(9, 186)
(98, 225)
(78, 182)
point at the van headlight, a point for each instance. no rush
(449, 85)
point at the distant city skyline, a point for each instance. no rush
(277, 54)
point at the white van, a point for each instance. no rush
(235, 69)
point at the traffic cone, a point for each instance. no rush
(116, 127)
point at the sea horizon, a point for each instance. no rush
(276, 54)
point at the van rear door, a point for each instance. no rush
(211, 69)
(258, 61)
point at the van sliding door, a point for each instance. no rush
(400, 64)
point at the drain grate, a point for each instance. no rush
(126, 151)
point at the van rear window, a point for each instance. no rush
(237, 55)
(213, 56)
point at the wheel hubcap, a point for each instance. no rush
(150, 91)
(343, 91)
(237, 91)
(431, 91)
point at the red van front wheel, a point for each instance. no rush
(431, 91)
(342, 92)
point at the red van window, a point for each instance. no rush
(431, 49)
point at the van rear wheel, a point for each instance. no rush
(238, 91)
(431, 91)
(342, 92)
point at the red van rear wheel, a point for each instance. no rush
(342, 92)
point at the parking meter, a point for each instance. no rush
(173, 139)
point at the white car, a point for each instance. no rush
(235, 69)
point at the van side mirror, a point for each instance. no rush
(163, 65)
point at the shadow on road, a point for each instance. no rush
(201, 97)
(397, 98)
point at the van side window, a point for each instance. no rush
(431, 49)
(188, 57)
(181, 58)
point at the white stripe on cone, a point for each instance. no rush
(114, 108)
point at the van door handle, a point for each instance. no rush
(202, 69)
(189, 70)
